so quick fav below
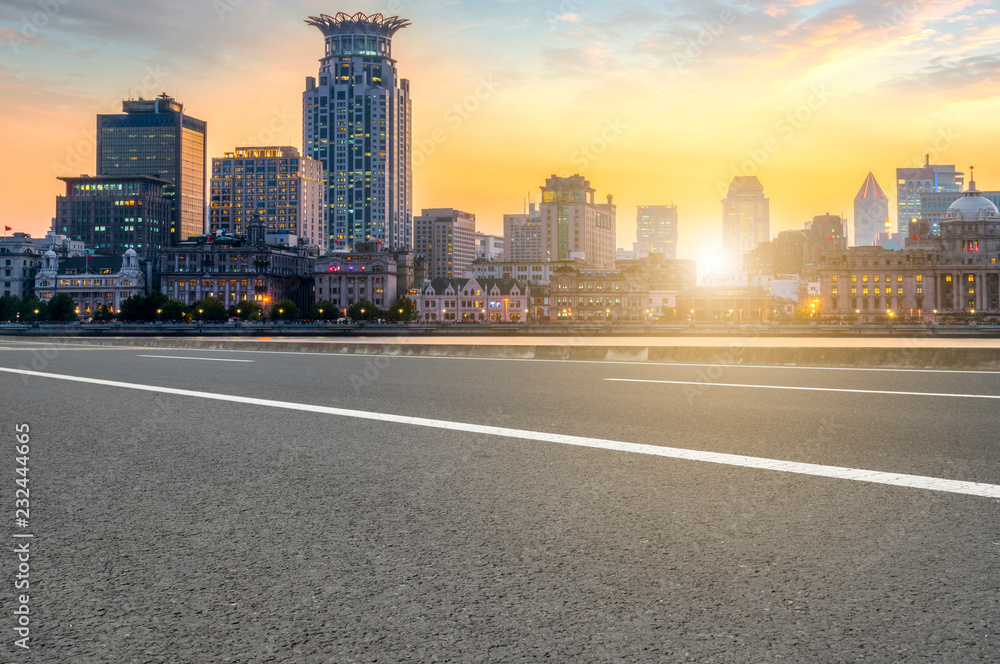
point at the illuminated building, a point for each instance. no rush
(746, 218)
(21, 258)
(357, 123)
(657, 226)
(446, 238)
(111, 214)
(349, 277)
(474, 301)
(955, 273)
(155, 138)
(871, 212)
(522, 236)
(276, 183)
(912, 182)
(92, 281)
(574, 226)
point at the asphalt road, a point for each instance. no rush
(229, 515)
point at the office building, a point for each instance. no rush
(285, 189)
(746, 218)
(933, 206)
(489, 247)
(911, 183)
(446, 239)
(871, 212)
(155, 138)
(522, 236)
(21, 258)
(346, 278)
(357, 124)
(111, 214)
(656, 225)
(574, 226)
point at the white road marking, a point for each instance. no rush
(548, 361)
(199, 359)
(853, 474)
(804, 389)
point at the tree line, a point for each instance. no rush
(158, 307)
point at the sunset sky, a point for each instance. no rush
(654, 102)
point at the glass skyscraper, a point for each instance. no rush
(357, 123)
(656, 225)
(929, 178)
(155, 138)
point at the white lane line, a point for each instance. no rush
(803, 389)
(836, 472)
(198, 359)
(527, 359)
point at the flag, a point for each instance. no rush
(7, 228)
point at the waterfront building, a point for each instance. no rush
(446, 238)
(92, 281)
(574, 226)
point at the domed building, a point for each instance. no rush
(92, 281)
(953, 274)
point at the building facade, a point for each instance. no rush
(260, 268)
(474, 301)
(285, 189)
(21, 258)
(111, 214)
(538, 273)
(933, 206)
(155, 138)
(347, 278)
(357, 124)
(911, 183)
(656, 225)
(733, 304)
(573, 225)
(92, 282)
(955, 273)
(522, 236)
(871, 212)
(446, 238)
(489, 247)
(600, 295)
(746, 218)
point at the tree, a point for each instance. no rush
(104, 314)
(363, 310)
(251, 311)
(9, 306)
(172, 310)
(404, 310)
(209, 309)
(32, 310)
(62, 309)
(325, 310)
(152, 304)
(285, 310)
(131, 310)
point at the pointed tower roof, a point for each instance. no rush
(870, 189)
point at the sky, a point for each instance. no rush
(654, 102)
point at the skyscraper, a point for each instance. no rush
(447, 239)
(522, 236)
(357, 123)
(746, 218)
(285, 189)
(871, 212)
(572, 223)
(657, 225)
(929, 178)
(155, 138)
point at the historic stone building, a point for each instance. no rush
(955, 273)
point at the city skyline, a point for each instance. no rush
(492, 121)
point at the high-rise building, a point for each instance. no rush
(446, 238)
(357, 123)
(746, 218)
(574, 226)
(154, 137)
(286, 190)
(656, 225)
(929, 178)
(112, 214)
(871, 212)
(489, 247)
(522, 236)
